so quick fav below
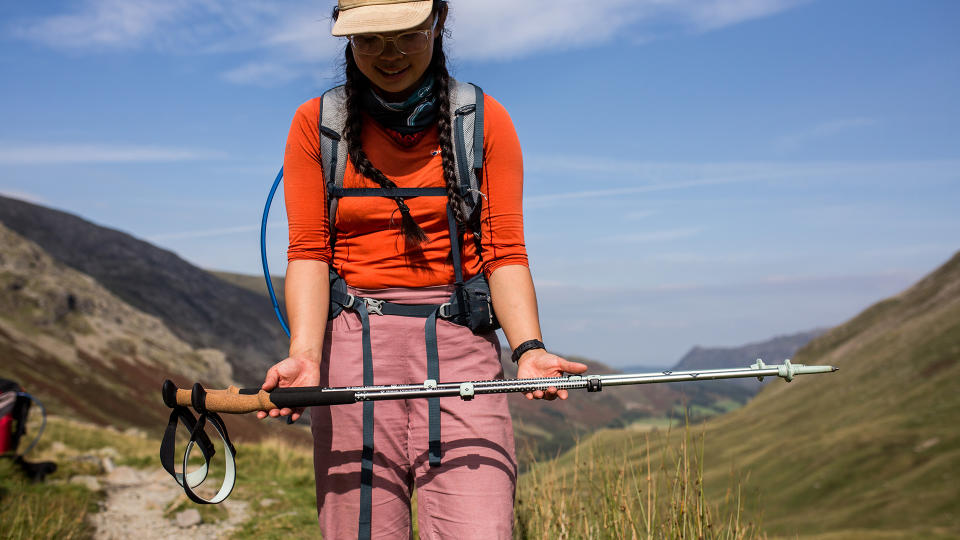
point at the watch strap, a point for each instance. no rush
(528, 345)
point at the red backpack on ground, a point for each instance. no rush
(14, 409)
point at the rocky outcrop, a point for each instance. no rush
(197, 307)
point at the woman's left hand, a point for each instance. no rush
(538, 363)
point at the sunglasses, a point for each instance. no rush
(411, 42)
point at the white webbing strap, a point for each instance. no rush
(230, 472)
(189, 480)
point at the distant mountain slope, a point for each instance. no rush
(199, 308)
(546, 428)
(771, 351)
(868, 452)
(87, 354)
(253, 283)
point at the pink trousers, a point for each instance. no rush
(471, 494)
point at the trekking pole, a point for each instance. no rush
(208, 403)
(239, 401)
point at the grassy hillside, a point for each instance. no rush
(253, 283)
(87, 354)
(198, 308)
(870, 451)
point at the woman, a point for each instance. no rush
(403, 251)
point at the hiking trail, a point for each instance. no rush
(136, 500)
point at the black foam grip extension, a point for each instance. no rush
(198, 398)
(309, 397)
(169, 393)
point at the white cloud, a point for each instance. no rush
(106, 23)
(578, 292)
(638, 215)
(223, 231)
(618, 178)
(280, 41)
(506, 28)
(165, 25)
(537, 201)
(285, 40)
(49, 154)
(261, 74)
(823, 130)
(208, 233)
(646, 237)
(709, 14)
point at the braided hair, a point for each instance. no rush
(356, 84)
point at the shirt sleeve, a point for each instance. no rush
(303, 188)
(501, 216)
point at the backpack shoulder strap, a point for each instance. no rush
(466, 107)
(333, 149)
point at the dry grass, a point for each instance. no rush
(29, 510)
(583, 494)
(602, 492)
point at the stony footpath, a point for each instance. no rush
(137, 499)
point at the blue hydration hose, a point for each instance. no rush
(43, 413)
(263, 253)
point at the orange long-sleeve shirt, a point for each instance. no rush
(370, 249)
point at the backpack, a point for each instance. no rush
(471, 304)
(14, 410)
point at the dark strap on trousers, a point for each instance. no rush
(433, 354)
(366, 457)
(433, 404)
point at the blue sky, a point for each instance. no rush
(697, 171)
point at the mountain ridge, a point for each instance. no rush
(199, 308)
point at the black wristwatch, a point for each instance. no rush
(528, 345)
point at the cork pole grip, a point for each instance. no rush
(229, 400)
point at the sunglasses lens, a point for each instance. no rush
(367, 43)
(412, 42)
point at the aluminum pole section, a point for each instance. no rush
(593, 383)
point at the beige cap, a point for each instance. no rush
(374, 16)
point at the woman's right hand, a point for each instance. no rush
(297, 370)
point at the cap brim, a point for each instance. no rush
(382, 18)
